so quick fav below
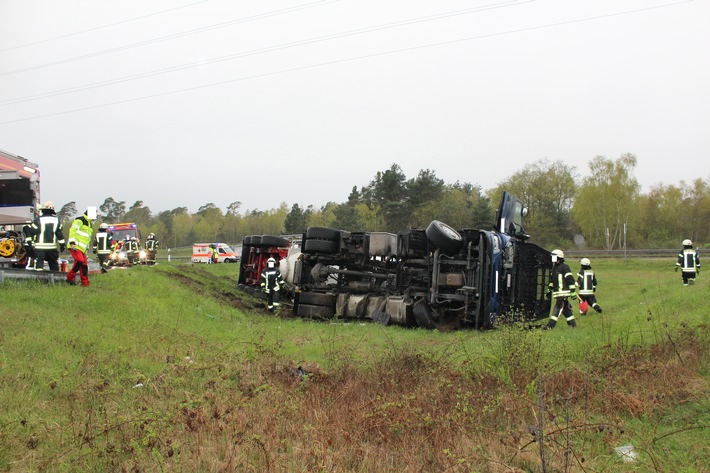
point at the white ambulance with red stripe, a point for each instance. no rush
(202, 252)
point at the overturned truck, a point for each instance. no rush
(435, 278)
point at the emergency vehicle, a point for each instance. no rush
(122, 230)
(201, 253)
(127, 254)
(19, 200)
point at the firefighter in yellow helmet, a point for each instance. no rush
(271, 283)
(563, 287)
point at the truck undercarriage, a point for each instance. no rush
(434, 278)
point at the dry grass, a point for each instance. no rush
(410, 413)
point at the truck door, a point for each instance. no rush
(509, 216)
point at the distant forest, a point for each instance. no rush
(602, 209)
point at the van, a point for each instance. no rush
(201, 253)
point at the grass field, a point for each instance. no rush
(170, 368)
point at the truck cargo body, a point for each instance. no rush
(434, 278)
(19, 189)
(19, 200)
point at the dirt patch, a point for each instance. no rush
(216, 287)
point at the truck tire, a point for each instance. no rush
(271, 240)
(444, 237)
(422, 315)
(322, 233)
(321, 246)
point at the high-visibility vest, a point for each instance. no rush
(80, 232)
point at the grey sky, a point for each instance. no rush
(181, 103)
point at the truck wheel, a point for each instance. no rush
(321, 246)
(323, 233)
(271, 240)
(422, 315)
(444, 237)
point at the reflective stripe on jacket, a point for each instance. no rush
(47, 231)
(688, 260)
(103, 243)
(587, 282)
(80, 233)
(562, 281)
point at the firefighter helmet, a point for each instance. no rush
(558, 253)
(687, 242)
(152, 235)
(271, 262)
(103, 226)
(585, 262)
(49, 205)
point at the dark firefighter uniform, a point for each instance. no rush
(103, 245)
(587, 282)
(271, 282)
(47, 238)
(151, 248)
(132, 249)
(688, 262)
(563, 287)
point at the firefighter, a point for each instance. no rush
(29, 247)
(562, 287)
(103, 245)
(133, 250)
(47, 238)
(151, 248)
(587, 282)
(688, 262)
(271, 282)
(79, 241)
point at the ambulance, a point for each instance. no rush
(201, 253)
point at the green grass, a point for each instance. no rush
(171, 368)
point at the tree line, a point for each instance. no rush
(603, 209)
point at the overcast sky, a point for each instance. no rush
(181, 103)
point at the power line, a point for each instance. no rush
(351, 59)
(67, 35)
(170, 36)
(265, 50)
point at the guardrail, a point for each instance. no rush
(645, 253)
